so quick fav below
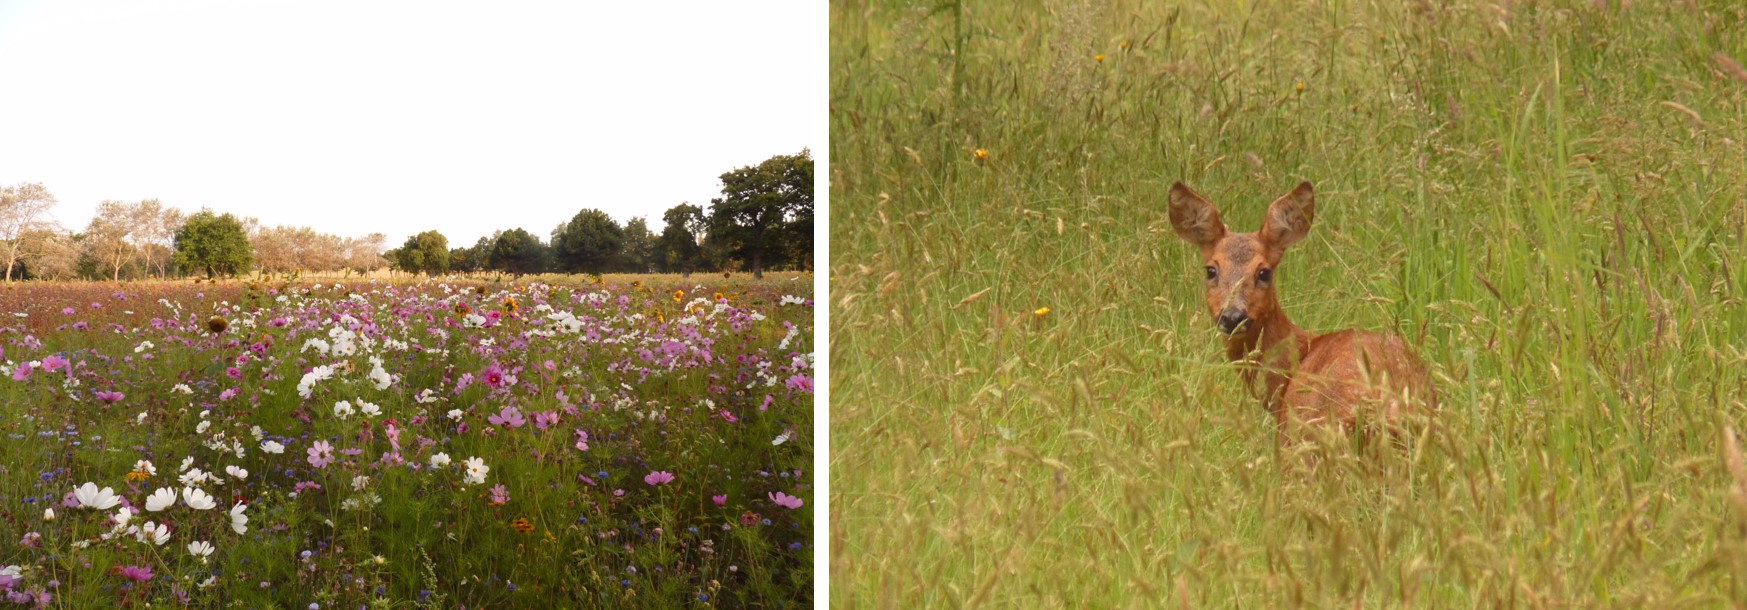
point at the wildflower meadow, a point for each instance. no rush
(567, 442)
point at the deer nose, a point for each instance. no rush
(1231, 319)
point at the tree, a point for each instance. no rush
(215, 243)
(19, 208)
(49, 253)
(677, 249)
(638, 253)
(427, 253)
(765, 213)
(106, 238)
(519, 252)
(588, 243)
(153, 226)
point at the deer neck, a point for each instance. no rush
(1268, 356)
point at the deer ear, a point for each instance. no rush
(1194, 218)
(1289, 217)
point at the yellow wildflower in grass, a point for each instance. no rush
(1125, 44)
(678, 295)
(1098, 58)
(510, 305)
(981, 155)
(1041, 312)
(719, 295)
(137, 476)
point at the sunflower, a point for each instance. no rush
(217, 324)
(510, 305)
(461, 309)
(678, 295)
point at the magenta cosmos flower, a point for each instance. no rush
(508, 416)
(107, 396)
(135, 573)
(658, 478)
(493, 376)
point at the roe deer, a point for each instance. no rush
(1341, 377)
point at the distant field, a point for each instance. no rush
(1547, 199)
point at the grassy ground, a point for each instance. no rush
(1547, 199)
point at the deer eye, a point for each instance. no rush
(1265, 275)
(1212, 274)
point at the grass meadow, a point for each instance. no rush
(1030, 406)
(560, 442)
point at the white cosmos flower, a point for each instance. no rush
(91, 497)
(48, 514)
(476, 470)
(369, 409)
(121, 516)
(160, 499)
(200, 548)
(240, 521)
(439, 460)
(343, 409)
(145, 466)
(455, 414)
(234, 471)
(201, 428)
(194, 475)
(198, 499)
(154, 533)
(360, 482)
(272, 447)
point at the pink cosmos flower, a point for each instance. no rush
(720, 500)
(321, 454)
(493, 376)
(509, 416)
(658, 478)
(550, 365)
(545, 419)
(581, 441)
(228, 394)
(69, 311)
(22, 372)
(785, 500)
(729, 417)
(54, 363)
(499, 495)
(234, 372)
(111, 397)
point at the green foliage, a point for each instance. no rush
(427, 253)
(519, 252)
(588, 243)
(638, 253)
(678, 249)
(765, 214)
(216, 244)
(1548, 199)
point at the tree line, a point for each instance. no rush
(762, 220)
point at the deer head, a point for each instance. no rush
(1240, 266)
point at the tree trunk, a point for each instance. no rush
(758, 265)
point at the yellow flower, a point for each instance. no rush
(510, 306)
(137, 476)
(981, 155)
(1124, 45)
(1098, 58)
(677, 295)
(1301, 86)
(522, 525)
(1041, 312)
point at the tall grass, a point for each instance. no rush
(1548, 199)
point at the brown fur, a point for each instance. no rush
(1349, 377)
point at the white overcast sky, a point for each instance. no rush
(353, 117)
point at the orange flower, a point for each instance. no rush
(1098, 58)
(522, 525)
(981, 154)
